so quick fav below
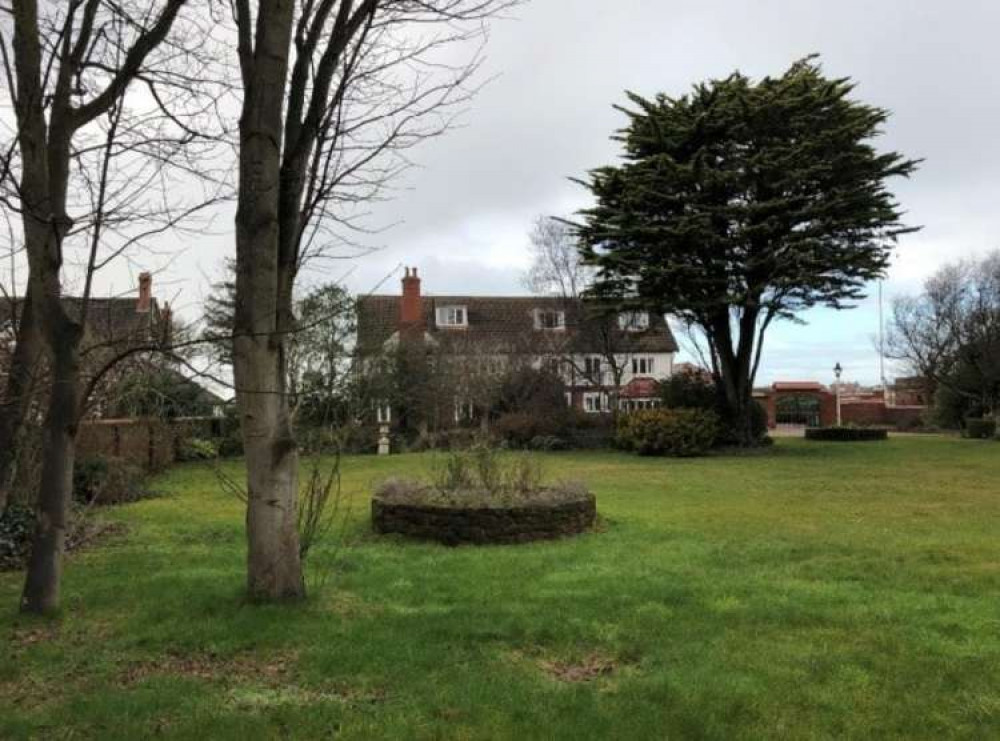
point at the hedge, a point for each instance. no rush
(846, 434)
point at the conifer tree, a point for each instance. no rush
(742, 203)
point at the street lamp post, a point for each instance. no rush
(837, 370)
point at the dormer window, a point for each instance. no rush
(550, 319)
(633, 321)
(452, 316)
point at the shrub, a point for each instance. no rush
(518, 429)
(106, 480)
(17, 525)
(758, 425)
(548, 442)
(677, 432)
(483, 471)
(979, 429)
(688, 391)
(846, 434)
(196, 449)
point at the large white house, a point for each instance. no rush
(603, 359)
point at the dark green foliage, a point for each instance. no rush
(688, 391)
(675, 432)
(17, 525)
(846, 434)
(692, 391)
(730, 428)
(519, 429)
(741, 203)
(107, 480)
(979, 429)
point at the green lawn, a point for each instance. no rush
(816, 591)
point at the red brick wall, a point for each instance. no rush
(863, 413)
(147, 443)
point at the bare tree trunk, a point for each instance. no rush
(41, 587)
(274, 568)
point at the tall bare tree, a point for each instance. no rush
(334, 91)
(88, 155)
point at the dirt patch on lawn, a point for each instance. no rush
(211, 667)
(587, 669)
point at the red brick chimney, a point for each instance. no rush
(411, 308)
(145, 301)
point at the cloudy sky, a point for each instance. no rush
(462, 216)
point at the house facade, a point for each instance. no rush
(604, 360)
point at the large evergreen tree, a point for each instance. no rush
(741, 203)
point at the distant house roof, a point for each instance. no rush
(509, 322)
(115, 319)
(641, 388)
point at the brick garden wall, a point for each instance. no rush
(149, 443)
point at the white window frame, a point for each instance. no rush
(643, 365)
(558, 314)
(596, 402)
(452, 316)
(593, 366)
(633, 321)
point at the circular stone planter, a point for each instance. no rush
(474, 519)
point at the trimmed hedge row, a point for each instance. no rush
(846, 434)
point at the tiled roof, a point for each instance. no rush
(507, 324)
(641, 388)
(113, 319)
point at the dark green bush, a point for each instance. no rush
(846, 434)
(979, 429)
(518, 429)
(677, 432)
(758, 425)
(107, 480)
(688, 391)
(17, 525)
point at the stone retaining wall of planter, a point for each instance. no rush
(454, 525)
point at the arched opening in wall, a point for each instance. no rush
(797, 410)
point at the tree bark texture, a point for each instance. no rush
(274, 569)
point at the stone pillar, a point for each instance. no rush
(383, 440)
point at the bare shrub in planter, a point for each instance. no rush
(478, 496)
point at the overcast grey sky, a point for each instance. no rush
(463, 215)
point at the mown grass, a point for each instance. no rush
(844, 590)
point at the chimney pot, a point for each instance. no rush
(145, 301)
(411, 310)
